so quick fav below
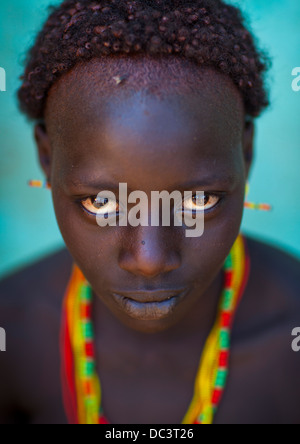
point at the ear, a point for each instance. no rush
(248, 144)
(44, 148)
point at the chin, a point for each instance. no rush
(149, 327)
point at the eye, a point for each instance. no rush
(100, 206)
(200, 202)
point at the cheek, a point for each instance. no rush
(203, 257)
(91, 247)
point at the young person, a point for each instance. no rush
(141, 324)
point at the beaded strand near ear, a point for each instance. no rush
(255, 206)
(39, 184)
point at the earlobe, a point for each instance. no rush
(248, 144)
(44, 148)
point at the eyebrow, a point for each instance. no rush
(96, 185)
(200, 183)
(208, 181)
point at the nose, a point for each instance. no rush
(149, 252)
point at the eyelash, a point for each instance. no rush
(219, 195)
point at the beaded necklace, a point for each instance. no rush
(81, 385)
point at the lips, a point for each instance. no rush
(151, 296)
(149, 305)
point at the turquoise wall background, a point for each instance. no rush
(27, 222)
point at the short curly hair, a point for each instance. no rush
(209, 32)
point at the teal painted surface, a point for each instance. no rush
(28, 228)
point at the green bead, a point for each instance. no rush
(86, 293)
(89, 368)
(89, 293)
(228, 262)
(221, 378)
(224, 339)
(87, 330)
(227, 299)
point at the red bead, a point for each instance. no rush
(89, 350)
(103, 420)
(226, 320)
(228, 279)
(216, 397)
(223, 359)
(85, 311)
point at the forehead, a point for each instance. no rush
(161, 114)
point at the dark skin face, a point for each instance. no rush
(184, 142)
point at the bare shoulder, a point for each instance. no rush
(276, 276)
(30, 310)
(35, 290)
(268, 315)
(272, 296)
(35, 282)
